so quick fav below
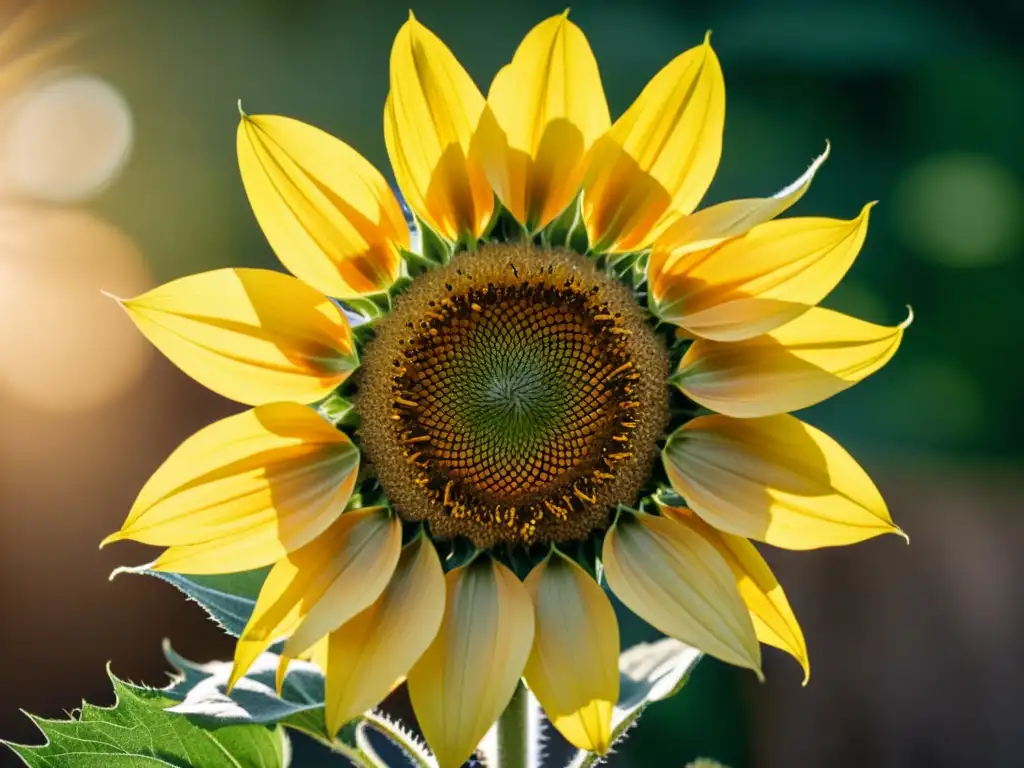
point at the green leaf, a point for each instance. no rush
(201, 690)
(229, 598)
(652, 672)
(138, 732)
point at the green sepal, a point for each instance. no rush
(567, 230)
(435, 250)
(505, 228)
(138, 731)
(460, 552)
(338, 410)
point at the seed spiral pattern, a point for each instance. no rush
(515, 395)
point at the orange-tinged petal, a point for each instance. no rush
(729, 219)
(329, 215)
(366, 655)
(548, 107)
(245, 491)
(251, 335)
(321, 586)
(676, 581)
(467, 676)
(773, 619)
(774, 479)
(792, 263)
(430, 126)
(658, 159)
(573, 668)
(818, 355)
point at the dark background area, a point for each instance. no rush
(915, 651)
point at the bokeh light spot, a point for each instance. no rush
(66, 139)
(961, 210)
(66, 347)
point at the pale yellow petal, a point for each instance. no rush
(658, 159)
(467, 676)
(367, 654)
(245, 491)
(573, 668)
(773, 619)
(808, 360)
(329, 215)
(774, 479)
(732, 218)
(677, 582)
(430, 125)
(791, 262)
(549, 107)
(321, 586)
(251, 335)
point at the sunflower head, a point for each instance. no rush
(563, 375)
(515, 395)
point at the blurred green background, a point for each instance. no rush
(915, 651)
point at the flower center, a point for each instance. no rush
(514, 395)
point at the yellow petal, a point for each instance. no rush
(430, 123)
(245, 491)
(467, 676)
(673, 579)
(368, 653)
(329, 215)
(574, 666)
(321, 586)
(793, 263)
(773, 619)
(549, 106)
(774, 479)
(802, 363)
(252, 335)
(729, 219)
(658, 159)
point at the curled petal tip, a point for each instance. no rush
(110, 295)
(707, 38)
(241, 112)
(910, 318)
(118, 571)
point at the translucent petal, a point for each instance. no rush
(774, 621)
(431, 121)
(245, 491)
(367, 654)
(658, 159)
(321, 586)
(675, 580)
(548, 107)
(329, 215)
(251, 335)
(573, 669)
(808, 360)
(467, 676)
(774, 479)
(732, 218)
(790, 262)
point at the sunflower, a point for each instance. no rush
(570, 378)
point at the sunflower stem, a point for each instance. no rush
(514, 731)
